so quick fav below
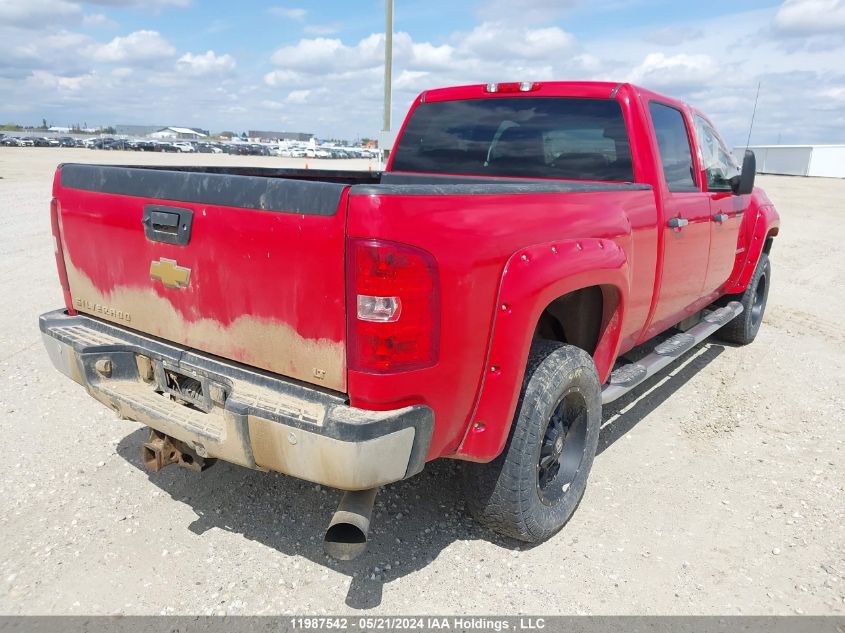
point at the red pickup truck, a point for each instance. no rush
(475, 301)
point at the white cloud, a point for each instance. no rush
(322, 55)
(298, 96)
(323, 29)
(209, 63)
(523, 11)
(489, 46)
(286, 12)
(52, 50)
(140, 46)
(587, 62)
(409, 79)
(678, 72)
(426, 55)
(45, 79)
(282, 78)
(674, 35)
(269, 104)
(98, 20)
(810, 17)
(836, 93)
(37, 13)
(496, 41)
(140, 3)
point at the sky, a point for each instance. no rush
(318, 66)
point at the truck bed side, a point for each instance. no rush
(472, 229)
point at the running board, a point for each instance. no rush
(629, 376)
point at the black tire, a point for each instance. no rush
(559, 410)
(743, 328)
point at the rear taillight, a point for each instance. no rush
(60, 259)
(393, 307)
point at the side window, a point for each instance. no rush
(719, 164)
(674, 147)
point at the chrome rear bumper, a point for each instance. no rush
(226, 411)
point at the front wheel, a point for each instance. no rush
(532, 489)
(743, 328)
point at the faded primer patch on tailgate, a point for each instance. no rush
(262, 343)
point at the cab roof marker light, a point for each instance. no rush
(513, 86)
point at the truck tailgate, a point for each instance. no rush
(259, 279)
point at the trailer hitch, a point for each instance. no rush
(162, 450)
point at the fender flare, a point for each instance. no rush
(533, 277)
(766, 222)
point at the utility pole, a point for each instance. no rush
(388, 74)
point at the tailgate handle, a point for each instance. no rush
(170, 225)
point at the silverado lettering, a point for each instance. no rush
(83, 305)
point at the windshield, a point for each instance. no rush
(546, 137)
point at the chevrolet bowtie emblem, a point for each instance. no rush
(167, 272)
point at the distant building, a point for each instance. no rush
(266, 136)
(182, 133)
(137, 130)
(798, 160)
(57, 128)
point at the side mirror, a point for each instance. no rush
(744, 183)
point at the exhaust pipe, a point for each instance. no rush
(346, 538)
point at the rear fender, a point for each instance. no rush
(534, 277)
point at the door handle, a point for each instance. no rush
(170, 225)
(677, 223)
(721, 218)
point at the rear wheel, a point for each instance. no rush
(743, 328)
(532, 489)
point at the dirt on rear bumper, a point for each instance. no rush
(230, 412)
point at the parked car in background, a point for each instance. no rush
(208, 148)
(164, 146)
(184, 147)
(250, 149)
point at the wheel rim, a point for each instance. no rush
(563, 447)
(759, 302)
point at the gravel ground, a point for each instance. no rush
(718, 488)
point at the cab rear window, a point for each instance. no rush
(545, 137)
